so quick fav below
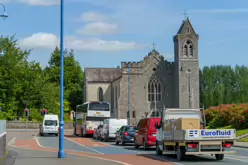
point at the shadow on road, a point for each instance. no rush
(164, 158)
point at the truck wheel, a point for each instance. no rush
(180, 153)
(219, 156)
(158, 150)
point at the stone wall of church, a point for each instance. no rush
(115, 98)
(93, 88)
(140, 75)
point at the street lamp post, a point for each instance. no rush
(61, 152)
(4, 15)
(189, 87)
(128, 95)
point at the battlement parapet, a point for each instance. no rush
(169, 65)
(131, 64)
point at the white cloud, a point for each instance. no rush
(40, 40)
(98, 28)
(221, 11)
(92, 16)
(49, 41)
(41, 2)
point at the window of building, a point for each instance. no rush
(154, 90)
(188, 49)
(100, 94)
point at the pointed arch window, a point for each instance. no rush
(154, 90)
(188, 49)
(100, 94)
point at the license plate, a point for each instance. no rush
(132, 139)
(153, 134)
(98, 113)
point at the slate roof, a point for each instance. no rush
(102, 74)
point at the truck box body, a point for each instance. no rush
(200, 134)
(182, 124)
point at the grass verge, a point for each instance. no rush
(3, 158)
(238, 132)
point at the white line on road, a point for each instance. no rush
(37, 141)
(11, 142)
(236, 159)
(84, 146)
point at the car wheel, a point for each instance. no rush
(145, 146)
(135, 144)
(122, 142)
(116, 142)
(158, 150)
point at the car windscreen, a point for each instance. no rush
(51, 123)
(130, 129)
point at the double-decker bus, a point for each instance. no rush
(89, 116)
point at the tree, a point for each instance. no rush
(73, 76)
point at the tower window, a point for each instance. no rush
(188, 49)
(188, 29)
(185, 50)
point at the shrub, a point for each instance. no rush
(235, 115)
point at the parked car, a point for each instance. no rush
(146, 133)
(110, 126)
(125, 135)
(97, 133)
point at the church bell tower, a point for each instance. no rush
(186, 66)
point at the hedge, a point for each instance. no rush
(235, 115)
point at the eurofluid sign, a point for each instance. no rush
(216, 133)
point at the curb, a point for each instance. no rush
(240, 146)
(3, 158)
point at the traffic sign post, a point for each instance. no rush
(27, 115)
(43, 112)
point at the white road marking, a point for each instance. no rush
(37, 141)
(236, 159)
(84, 146)
(11, 142)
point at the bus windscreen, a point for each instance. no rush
(98, 106)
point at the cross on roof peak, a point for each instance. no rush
(153, 45)
(185, 15)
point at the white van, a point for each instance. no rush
(50, 125)
(110, 126)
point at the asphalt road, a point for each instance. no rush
(241, 157)
(18, 156)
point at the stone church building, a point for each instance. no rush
(154, 82)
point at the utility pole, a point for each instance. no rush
(128, 96)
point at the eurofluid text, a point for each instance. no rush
(216, 133)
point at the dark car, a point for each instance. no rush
(125, 135)
(97, 133)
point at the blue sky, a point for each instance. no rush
(105, 32)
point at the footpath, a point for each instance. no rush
(241, 144)
(32, 157)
